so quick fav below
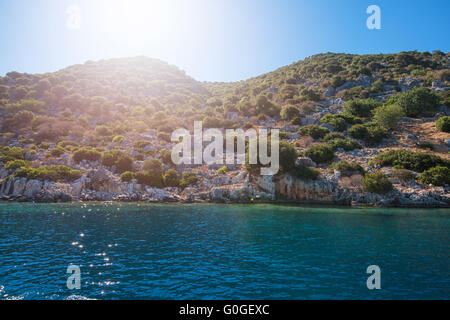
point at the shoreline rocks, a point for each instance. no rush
(241, 188)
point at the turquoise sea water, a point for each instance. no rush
(143, 251)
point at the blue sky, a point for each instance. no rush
(212, 40)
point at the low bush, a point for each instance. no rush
(50, 173)
(388, 116)
(361, 108)
(415, 161)
(171, 178)
(152, 165)
(347, 168)
(319, 153)
(140, 144)
(340, 121)
(438, 176)
(377, 183)
(370, 132)
(334, 135)
(150, 179)
(289, 112)
(166, 156)
(87, 154)
(443, 124)
(189, 178)
(118, 139)
(68, 143)
(223, 170)
(9, 154)
(16, 164)
(343, 143)
(103, 131)
(56, 152)
(127, 176)
(305, 173)
(402, 175)
(297, 121)
(415, 102)
(313, 130)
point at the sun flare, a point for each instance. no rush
(132, 21)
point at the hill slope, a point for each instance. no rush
(92, 123)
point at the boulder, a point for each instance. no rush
(305, 161)
(329, 92)
(32, 188)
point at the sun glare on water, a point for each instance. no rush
(134, 21)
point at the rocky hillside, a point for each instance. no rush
(356, 129)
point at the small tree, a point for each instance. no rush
(289, 112)
(388, 116)
(171, 178)
(443, 124)
(377, 183)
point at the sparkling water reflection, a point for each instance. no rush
(143, 251)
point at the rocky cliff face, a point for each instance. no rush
(100, 185)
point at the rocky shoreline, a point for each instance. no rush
(100, 185)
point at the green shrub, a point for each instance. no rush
(289, 112)
(171, 178)
(334, 135)
(87, 154)
(402, 175)
(347, 168)
(150, 179)
(344, 143)
(44, 145)
(377, 86)
(124, 163)
(9, 154)
(166, 156)
(287, 157)
(313, 130)
(415, 161)
(297, 121)
(16, 164)
(120, 159)
(377, 183)
(443, 124)
(319, 153)
(56, 152)
(388, 116)
(164, 136)
(438, 176)
(305, 173)
(118, 139)
(50, 173)
(361, 108)
(103, 131)
(189, 178)
(152, 165)
(339, 121)
(140, 144)
(415, 102)
(370, 132)
(110, 157)
(223, 170)
(68, 143)
(127, 176)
